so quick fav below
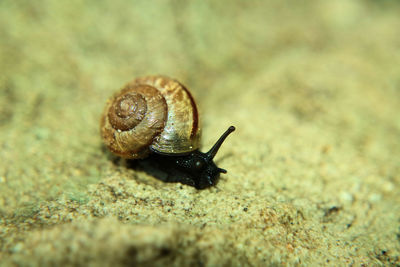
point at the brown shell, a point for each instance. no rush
(152, 113)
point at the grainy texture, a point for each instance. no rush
(313, 168)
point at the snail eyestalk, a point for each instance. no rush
(213, 151)
(222, 170)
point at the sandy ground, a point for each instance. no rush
(313, 168)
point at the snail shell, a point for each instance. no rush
(152, 113)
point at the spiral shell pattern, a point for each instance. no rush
(152, 113)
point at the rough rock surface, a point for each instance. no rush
(313, 176)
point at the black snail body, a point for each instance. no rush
(156, 119)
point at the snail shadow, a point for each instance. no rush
(164, 169)
(160, 170)
(152, 165)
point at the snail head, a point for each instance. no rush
(201, 165)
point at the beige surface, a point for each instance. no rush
(313, 168)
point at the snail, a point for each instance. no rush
(157, 117)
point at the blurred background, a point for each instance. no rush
(312, 87)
